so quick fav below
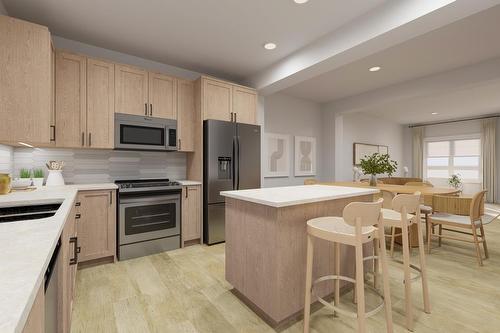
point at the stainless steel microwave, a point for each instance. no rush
(145, 133)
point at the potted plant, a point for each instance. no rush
(377, 164)
(24, 179)
(38, 177)
(455, 181)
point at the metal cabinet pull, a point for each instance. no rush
(179, 144)
(83, 138)
(53, 133)
(235, 120)
(90, 139)
(78, 204)
(150, 109)
(76, 250)
(110, 198)
(77, 216)
(146, 109)
(187, 192)
(231, 117)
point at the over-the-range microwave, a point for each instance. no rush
(145, 133)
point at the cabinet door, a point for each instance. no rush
(25, 88)
(162, 96)
(96, 226)
(217, 100)
(67, 272)
(185, 115)
(71, 100)
(244, 105)
(35, 323)
(100, 103)
(191, 213)
(131, 90)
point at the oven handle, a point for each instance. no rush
(149, 216)
(149, 200)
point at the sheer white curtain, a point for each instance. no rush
(418, 152)
(488, 153)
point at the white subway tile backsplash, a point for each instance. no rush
(6, 159)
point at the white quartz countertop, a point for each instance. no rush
(26, 248)
(297, 195)
(189, 182)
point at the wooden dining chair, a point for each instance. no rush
(468, 225)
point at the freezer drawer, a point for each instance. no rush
(214, 229)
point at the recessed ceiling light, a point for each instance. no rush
(300, 1)
(434, 113)
(269, 46)
(374, 69)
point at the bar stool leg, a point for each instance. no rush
(307, 300)
(360, 288)
(337, 272)
(407, 275)
(423, 270)
(430, 232)
(393, 240)
(376, 250)
(385, 275)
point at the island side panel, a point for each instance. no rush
(292, 249)
(251, 266)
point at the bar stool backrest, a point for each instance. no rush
(410, 201)
(476, 204)
(366, 212)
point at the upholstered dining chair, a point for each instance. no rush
(471, 225)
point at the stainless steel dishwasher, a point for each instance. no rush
(51, 276)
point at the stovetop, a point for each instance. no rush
(146, 183)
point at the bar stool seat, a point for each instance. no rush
(392, 217)
(355, 228)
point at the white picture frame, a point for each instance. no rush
(305, 156)
(276, 155)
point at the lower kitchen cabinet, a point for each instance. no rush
(36, 318)
(96, 224)
(67, 272)
(191, 213)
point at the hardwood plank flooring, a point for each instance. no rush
(184, 291)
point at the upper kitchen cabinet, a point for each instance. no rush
(185, 115)
(216, 99)
(226, 101)
(131, 90)
(25, 82)
(162, 96)
(244, 105)
(100, 103)
(71, 100)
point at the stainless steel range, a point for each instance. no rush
(149, 217)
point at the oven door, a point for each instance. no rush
(148, 217)
(140, 133)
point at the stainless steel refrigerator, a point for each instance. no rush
(231, 161)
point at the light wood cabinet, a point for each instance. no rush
(36, 318)
(185, 115)
(100, 103)
(226, 101)
(131, 90)
(244, 105)
(162, 96)
(25, 76)
(71, 100)
(217, 100)
(191, 213)
(96, 224)
(67, 272)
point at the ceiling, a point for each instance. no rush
(217, 37)
(468, 41)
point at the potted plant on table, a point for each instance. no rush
(38, 177)
(377, 164)
(455, 181)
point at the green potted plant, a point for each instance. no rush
(455, 181)
(377, 164)
(38, 177)
(24, 179)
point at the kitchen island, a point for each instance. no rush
(266, 244)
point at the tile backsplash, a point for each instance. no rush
(97, 166)
(6, 159)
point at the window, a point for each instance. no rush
(445, 157)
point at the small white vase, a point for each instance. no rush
(55, 178)
(38, 182)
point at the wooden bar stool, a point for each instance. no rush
(355, 228)
(405, 212)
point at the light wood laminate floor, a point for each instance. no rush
(185, 291)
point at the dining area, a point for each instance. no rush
(435, 236)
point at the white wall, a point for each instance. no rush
(364, 128)
(293, 116)
(6, 159)
(98, 52)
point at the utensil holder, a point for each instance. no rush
(55, 178)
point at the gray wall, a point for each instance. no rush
(97, 166)
(293, 116)
(3, 11)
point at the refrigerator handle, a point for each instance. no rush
(238, 169)
(233, 162)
